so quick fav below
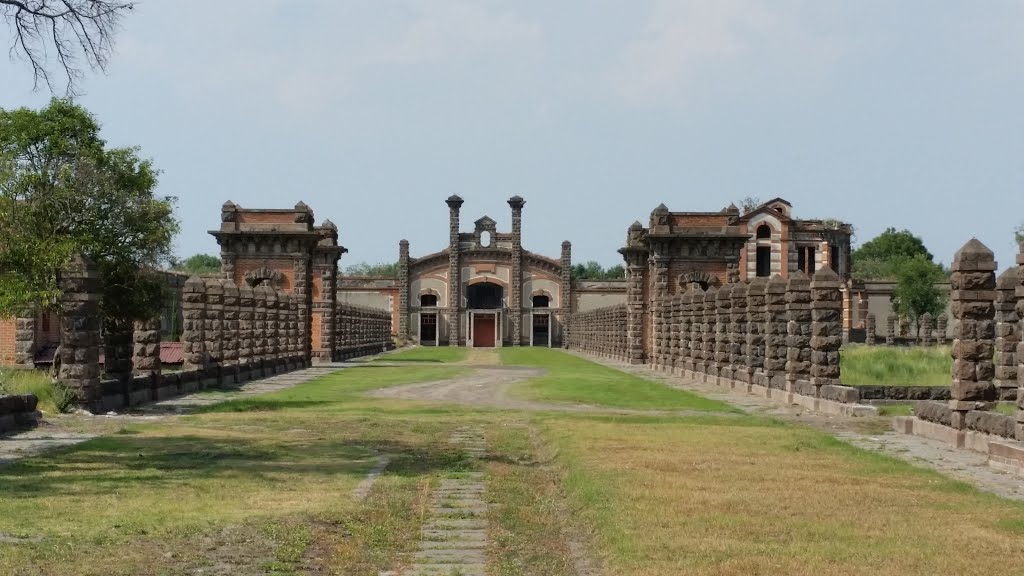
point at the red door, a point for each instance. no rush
(483, 330)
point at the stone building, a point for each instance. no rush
(484, 289)
(714, 249)
(283, 249)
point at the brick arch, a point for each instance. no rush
(700, 277)
(264, 276)
(543, 292)
(428, 292)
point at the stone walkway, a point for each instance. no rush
(454, 538)
(50, 436)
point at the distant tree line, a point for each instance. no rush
(592, 270)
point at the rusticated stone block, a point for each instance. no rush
(798, 330)
(973, 280)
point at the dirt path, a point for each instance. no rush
(488, 386)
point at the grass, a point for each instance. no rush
(751, 496)
(52, 398)
(575, 380)
(440, 354)
(264, 486)
(895, 366)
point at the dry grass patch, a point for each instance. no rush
(757, 497)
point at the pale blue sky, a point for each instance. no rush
(880, 113)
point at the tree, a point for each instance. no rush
(1018, 233)
(915, 291)
(62, 192)
(881, 256)
(593, 270)
(60, 33)
(379, 270)
(749, 203)
(197, 264)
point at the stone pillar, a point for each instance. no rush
(565, 299)
(890, 330)
(798, 332)
(403, 291)
(245, 332)
(214, 332)
(775, 348)
(635, 309)
(454, 273)
(515, 298)
(1020, 345)
(738, 333)
(973, 303)
(925, 331)
(260, 333)
(942, 329)
(723, 343)
(870, 326)
(25, 339)
(146, 353)
(685, 328)
(193, 311)
(1007, 334)
(273, 354)
(674, 337)
(117, 348)
(79, 352)
(695, 362)
(756, 326)
(709, 332)
(826, 328)
(303, 268)
(230, 323)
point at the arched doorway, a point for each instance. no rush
(481, 299)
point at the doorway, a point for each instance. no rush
(541, 330)
(428, 329)
(483, 330)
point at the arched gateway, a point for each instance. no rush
(490, 291)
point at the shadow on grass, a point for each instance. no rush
(122, 464)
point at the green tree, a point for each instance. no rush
(881, 256)
(62, 191)
(593, 270)
(1018, 233)
(198, 264)
(379, 270)
(616, 272)
(915, 291)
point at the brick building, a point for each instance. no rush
(282, 248)
(484, 289)
(718, 248)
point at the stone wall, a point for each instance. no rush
(765, 334)
(362, 331)
(601, 332)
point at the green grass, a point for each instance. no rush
(52, 398)
(442, 354)
(576, 380)
(895, 366)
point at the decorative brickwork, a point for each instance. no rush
(193, 304)
(738, 332)
(709, 332)
(723, 320)
(230, 326)
(601, 332)
(454, 273)
(403, 291)
(214, 332)
(973, 297)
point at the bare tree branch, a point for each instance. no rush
(60, 34)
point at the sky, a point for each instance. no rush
(883, 114)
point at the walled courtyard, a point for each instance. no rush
(512, 461)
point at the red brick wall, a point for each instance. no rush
(6, 340)
(246, 265)
(266, 218)
(700, 220)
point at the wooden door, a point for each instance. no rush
(483, 330)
